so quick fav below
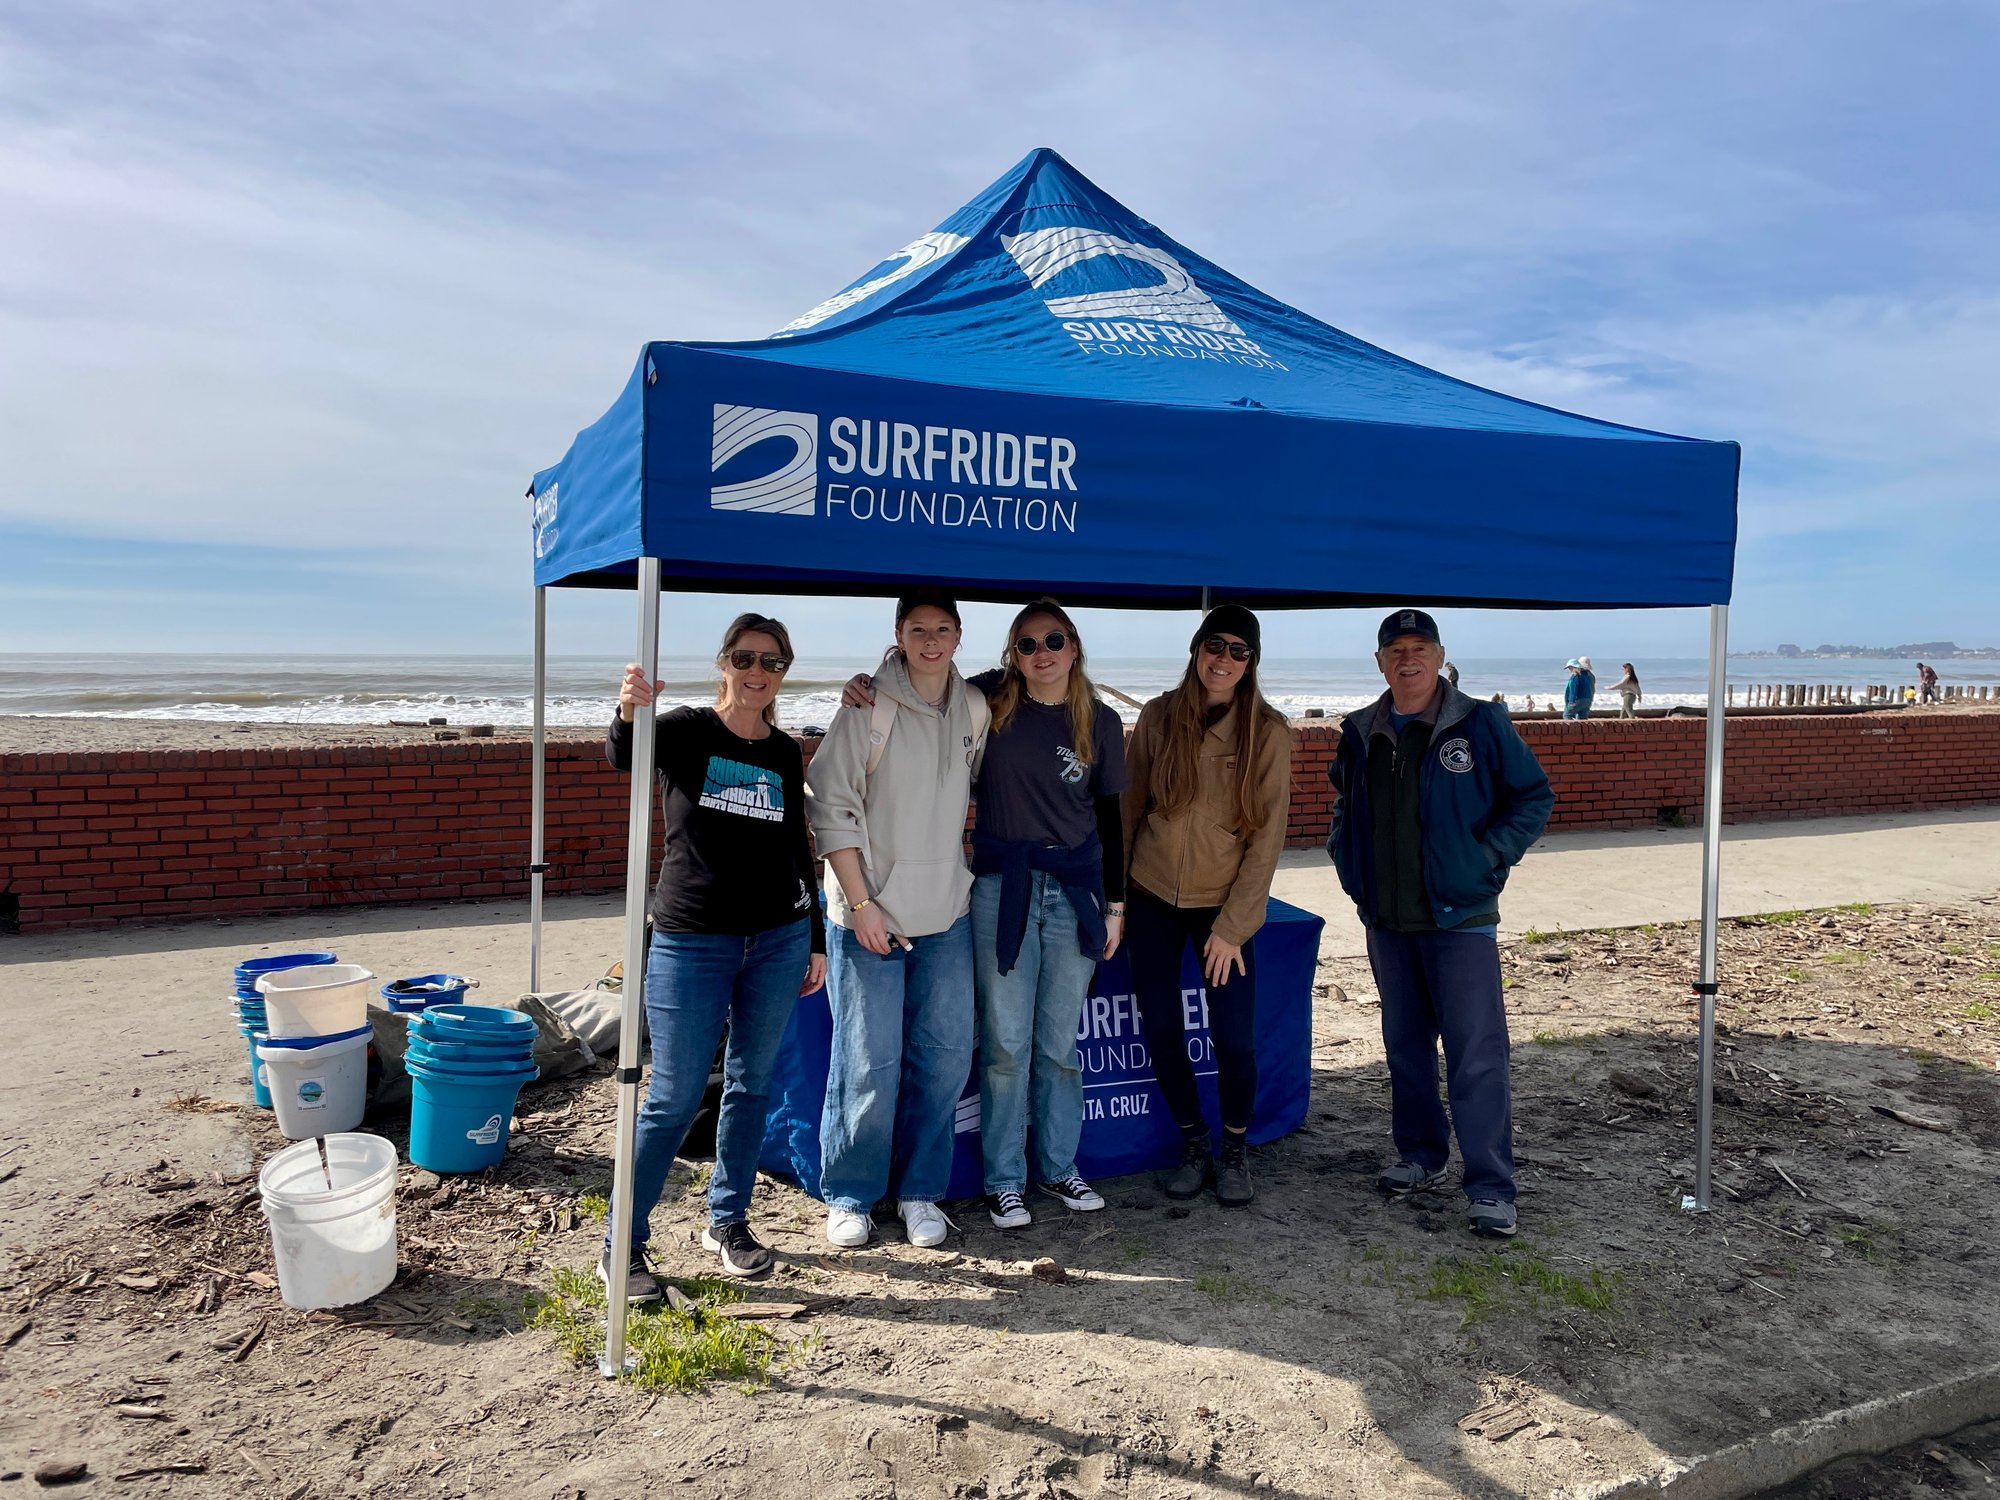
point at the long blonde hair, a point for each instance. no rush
(1082, 698)
(1177, 768)
(741, 626)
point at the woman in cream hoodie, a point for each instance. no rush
(887, 795)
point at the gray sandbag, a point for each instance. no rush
(594, 1015)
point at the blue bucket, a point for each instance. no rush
(444, 1058)
(496, 1019)
(409, 996)
(460, 1124)
(259, 1090)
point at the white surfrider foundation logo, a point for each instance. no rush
(912, 258)
(787, 490)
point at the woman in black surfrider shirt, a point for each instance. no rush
(737, 936)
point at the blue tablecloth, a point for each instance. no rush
(1126, 1126)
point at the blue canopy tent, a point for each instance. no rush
(1045, 394)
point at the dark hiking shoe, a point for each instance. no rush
(1233, 1188)
(1491, 1217)
(739, 1249)
(1408, 1177)
(1191, 1176)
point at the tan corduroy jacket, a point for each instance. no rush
(1203, 857)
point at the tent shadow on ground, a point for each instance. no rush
(1786, 1301)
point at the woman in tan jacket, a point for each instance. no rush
(1210, 765)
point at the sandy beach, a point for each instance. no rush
(1323, 1344)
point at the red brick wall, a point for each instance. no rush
(88, 839)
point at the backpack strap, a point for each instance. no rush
(982, 720)
(881, 719)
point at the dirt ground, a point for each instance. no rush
(1323, 1343)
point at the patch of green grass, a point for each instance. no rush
(671, 1350)
(1956, 950)
(1649, 929)
(1506, 981)
(473, 1307)
(1536, 935)
(1546, 1038)
(1989, 975)
(1795, 973)
(1225, 1288)
(593, 1206)
(1979, 1010)
(1515, 1275)
(1859, 908)
(1770, 918)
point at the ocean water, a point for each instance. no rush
(581, 690)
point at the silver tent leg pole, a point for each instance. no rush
(1711, 898)
(538, 781)
(638, 849)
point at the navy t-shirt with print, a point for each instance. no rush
(737, 860)
(1032, 784)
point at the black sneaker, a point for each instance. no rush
(1075, 1193)
(1191, 1176)
(1233, 1188)
(739, 1249)
(1008, 1210)
(639, 1283)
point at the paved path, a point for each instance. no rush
(1572, 880)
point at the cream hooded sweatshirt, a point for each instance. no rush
(908, 819)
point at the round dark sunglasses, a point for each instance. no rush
(743, 661)
(1027, 645)
(1215, 645)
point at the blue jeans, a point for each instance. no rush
(902, 1047)
(1028, 1020)
(695, 982)
(1447, 984)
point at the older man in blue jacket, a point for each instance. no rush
(1438, 799)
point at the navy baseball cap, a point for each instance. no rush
(1407, 622)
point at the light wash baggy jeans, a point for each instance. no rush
(1028, 1021)
(696, 981)
(902, 1048)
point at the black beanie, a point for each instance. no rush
(1232, 619)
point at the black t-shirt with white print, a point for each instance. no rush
(737, 859)
(1032, 784)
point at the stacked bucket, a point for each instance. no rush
(410, 996)
(247, 1005)
(314, 1043)
(466, 1065)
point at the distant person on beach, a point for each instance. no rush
(887, 794)
(1579, 690)
(1927, 685)
(737, 936)
(1451, 674)
(1048, 902)
(1210, 765)
(1438, 797)
(1628, 693)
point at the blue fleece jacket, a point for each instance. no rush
(1482, 797)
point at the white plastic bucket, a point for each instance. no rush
(334, 1244)
(318, 1090)
(322, 1000)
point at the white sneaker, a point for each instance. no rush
(924, 1224)
(848, 1228)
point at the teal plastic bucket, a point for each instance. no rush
(494, 1018)
(445, 1058)
(459, 1123)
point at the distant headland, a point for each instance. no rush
(1915, 651)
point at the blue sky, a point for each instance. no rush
(294, 299)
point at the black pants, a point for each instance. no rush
(1156, 935)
